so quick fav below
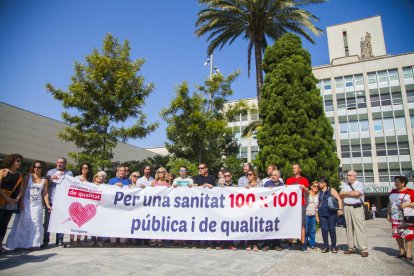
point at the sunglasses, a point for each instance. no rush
(85, 168)
(249, 174)
(315, 186)
(134, 175)
(37, 167)
(201, 168)
(226, 175)
(183, 170)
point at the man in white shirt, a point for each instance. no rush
(183, 180)
(352, 194)
(146, 179)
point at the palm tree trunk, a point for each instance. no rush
(259, 72)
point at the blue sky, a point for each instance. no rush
(41, 39)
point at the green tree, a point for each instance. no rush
(295, 128)
(255, 21)
(197, 126)
(105, 91)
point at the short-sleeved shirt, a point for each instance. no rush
(124, 181)
(243, 181)
(200, 180)
(358, 186)
(145, 181)
(299, 181)
(271, 183)
(52, 185)
(264, 180)
(183, 182)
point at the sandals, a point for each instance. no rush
(325, 250)
(400, 256)
(255, 248)
(334, 250)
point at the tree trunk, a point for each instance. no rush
(259, 72)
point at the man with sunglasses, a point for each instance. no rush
(204, 179)
(54, 177)
(183, 180)
(228, 181)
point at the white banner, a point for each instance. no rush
(176, 213)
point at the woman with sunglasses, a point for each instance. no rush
(311, 215)
(27, 230)
(134, 177)
(328, 216)
(253, 182)
(160, 178)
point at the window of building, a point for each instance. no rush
(366, 150)
(349, 81)
(372, 78)
(356, 150)
(378, 125)
(327, 84)
(345, 38)
(410, 96)
(361, 101)
(382, 76)
(403, 148)
(343, 127)
(383, 175)
(385, 99)
(381, 149)
(351, 102)
(353, 127)
(412, 121)
(359, 79)
(328, 105)
(364, 127)
(392, 148)
(345, 151)
(388, 124)
(408, 73)
(393, 74)
(341, 104)
(369, 176)
(339, 82)
(375, 100)
(396, 98)
(254, 115)
(318, 85)
(399, 123)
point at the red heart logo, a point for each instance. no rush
(81, 214)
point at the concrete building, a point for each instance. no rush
(369, 98)
(35, 137)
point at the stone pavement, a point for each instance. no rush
(181, 261)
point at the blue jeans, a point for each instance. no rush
(310, 227)
(328, 225)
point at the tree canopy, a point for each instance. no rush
(105, 92)
(295, 128)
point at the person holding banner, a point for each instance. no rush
(204, 179)
(243, 181)
(98, 179)
(54, 177)
(27, 230)
(327, 214)
(120, 180)
(134, 178)
(160, 178)
(253, 182)
(10, 192)
(146, 179)
(183, 180)
(297, 179)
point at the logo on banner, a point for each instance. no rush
(81, 214)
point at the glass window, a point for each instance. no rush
(353, 127)
(318, 85)
(385, 99)
(254, 116)
(366, 150)
(408, 73)
(351, 103)
(412, 121)
(396, 98)
(404, 148)
(359, 80)
(399, 123)
(410, 96)
(388, 124)
(362, 102)
(375, 100)
(372, 78)
(364, 127)
(343, 127)
(327, 84)
(328, 105)
(349, 81)
(339, 82)
(382, 76)
(345, 151)
(377, 124)
(393, 74)
(392, 148)
(381, 149)
(341, 104)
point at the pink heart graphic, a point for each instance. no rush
(81, 214)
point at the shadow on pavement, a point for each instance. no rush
(14, 259)
(391, 252)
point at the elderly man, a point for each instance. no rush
(353, 195)
(120, 180)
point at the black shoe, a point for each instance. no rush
(325, 250)
(44, 245)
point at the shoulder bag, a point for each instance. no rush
(367, 213)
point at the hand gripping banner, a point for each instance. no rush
(176, 213)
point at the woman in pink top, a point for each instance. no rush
(160, 178)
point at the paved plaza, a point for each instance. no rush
(183, 261)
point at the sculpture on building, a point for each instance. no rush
(366, 47)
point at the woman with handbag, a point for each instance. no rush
(10, 192)
(401, 215)
(330, 205)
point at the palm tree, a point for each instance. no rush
(255, 21)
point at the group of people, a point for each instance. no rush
(32, 196)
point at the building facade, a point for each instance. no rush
(368, 97)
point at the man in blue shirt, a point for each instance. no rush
(120, 180)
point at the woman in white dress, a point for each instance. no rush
(27, 230)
